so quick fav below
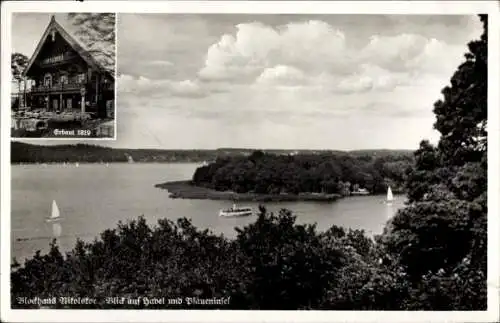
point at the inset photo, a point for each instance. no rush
(63, 75)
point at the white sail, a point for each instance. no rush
(129, 158)
(390, 197)
(55, 211)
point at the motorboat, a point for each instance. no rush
(236, 211)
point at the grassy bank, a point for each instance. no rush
(185, 190)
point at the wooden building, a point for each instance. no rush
(65, 77)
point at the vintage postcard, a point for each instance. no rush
(273, 161)
(63, 75)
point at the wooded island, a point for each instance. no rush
(314, 177)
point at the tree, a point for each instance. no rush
(18, 64)
(445, 222)
(286, 265)
(423, 175)
(266, 173)
(462, 117)
(97, 32)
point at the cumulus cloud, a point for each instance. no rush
(411, 53)
(145, 86)
(159, 63)
(312, 56)
(317, 54)
(371, 78)
(256, 47)
(282, 75)
(366, 78)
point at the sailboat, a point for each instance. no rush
(55, 214)
(390, 197)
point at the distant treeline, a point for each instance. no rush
(28, 153)
(328, 172)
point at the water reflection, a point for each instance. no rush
(390, 211)
(56, 229)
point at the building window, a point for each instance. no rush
(47, 80)
(80, 78)
(64, 79)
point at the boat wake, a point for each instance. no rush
(53, 237)
(37, 238)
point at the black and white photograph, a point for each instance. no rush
(63, 82)
(282, 165)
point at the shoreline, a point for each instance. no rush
(104, 162)
(185, 190)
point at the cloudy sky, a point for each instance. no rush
(284, 81)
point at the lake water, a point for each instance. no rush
(92, 198)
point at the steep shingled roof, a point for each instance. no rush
(79, 48)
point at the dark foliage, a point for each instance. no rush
(27, 153)
(440, 238)
(330, 173)
(18, 63)
(97, 32)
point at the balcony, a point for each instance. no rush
(58, 88)
(108, 87)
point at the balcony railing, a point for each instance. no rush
(109, 87)
(58, 88)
